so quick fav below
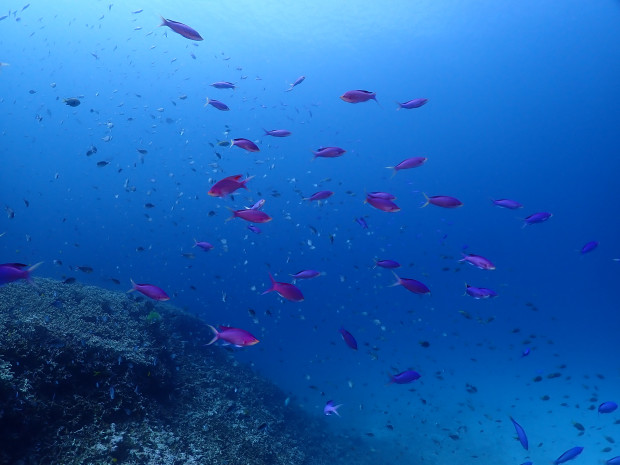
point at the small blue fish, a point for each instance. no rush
(525, 352)
(607, 407)
(570, 454)
(613, 461)
(589, 247)
(348, 338)
(331, 409)
(520, 433)
(362, 222)
(404, 377)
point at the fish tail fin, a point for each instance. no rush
(390, 380)
(232, 142)
(207, 102)
(399, 106)
(335, 409)
(232, 216)
(375, 99)
(273, 284)
(398, 281)
(215, 337)
(427, 200)
(243, 183)
(394, 170)
(195, 243)
(164, 21)
(134, 286)
(30, 270)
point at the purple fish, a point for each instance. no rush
(245, 144)
(409, 163)
(570, 454)
(253, 216)
(415, 103)
(507, 203)
(180, 28)
(520, 433)
(258, 205)
(235, 336)
(348, 338)
(389, 264)
(411, 285)
(286, 290)
(589, 247)
(223, 85)
(150, 291)
(479, 292)
(217, 104)
(444, 201)
(10, 272)
(382, 204)
(478, 261)
(381, 195)
(329, 152)
(330, 408)
(613, 461)
(525, 352)
(306, 274)
(534, 218)
(405, 377)
(277, 133)
(607, 407)
(206, 246)
(358, 96)
(298, 81)
(321, 195)
(362, 222)
(254, 229)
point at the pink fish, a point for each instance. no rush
(444, 201)
(329, 152)
(277, 133)
(286, 290)
(235, 336)
(411, 285)
(10, 272)
(358, 96)
(381, 195)
(150, 291)
(206, 246)
(228, 185)
(478, 261)
(409, 163)
(321, 195)
(180, 28)
(382, 204)
(245, 144)
(253, 216)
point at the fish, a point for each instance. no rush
(358, 96)
(235, 336)
(149, 290)
(348, 338)
(102, 163)
(253, 216)
(613, 461)
(277, 132)
(216, 104)
(389, 264)
(306, 274)
(507, 203)
(478, 261)
(570, 454)
(330, 408)
(72, 101)
(411, 285)
(362, 222)
(607, 407)
(228, 185)
(180, 28)
(321, 195)
(444, 201)
(223, 85)
(534, 218)
(206, 246)
(479, 292)
(254, 229)
(414, 103)
(135, 12)
(382, 204)
(245, 144)
(10, 213)
(258, 205)
(409, 163)
(10, 272)
(285, 290)
(588, 247)
(298, 81)
(520, 433)
(329, 152)
(83, 269)
(404, 377)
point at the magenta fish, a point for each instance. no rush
(507, 203)
(286, 290)
(382, 204)
(415, 103)
(253, 216)
(10, 272)
(409, 163)
(180, 28)
(150, 291)
(411, 285)
(321, 195)
(277, 133)
(223, 85)
(348, 338)
(245, 144)
(381, 195)
(478, 261)
(358, 96)
(444, 201)
(206, 246)
(235, 336)
(329, 152)
(217, 104)
(228, 185)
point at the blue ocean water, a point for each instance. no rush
(523, 104)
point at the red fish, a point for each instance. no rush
(286, 290)
(228, 185)
(150, 291)
(253, 216)
(235, 336)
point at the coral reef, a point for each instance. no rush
(93, 376)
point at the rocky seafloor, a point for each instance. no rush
(91, 376)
